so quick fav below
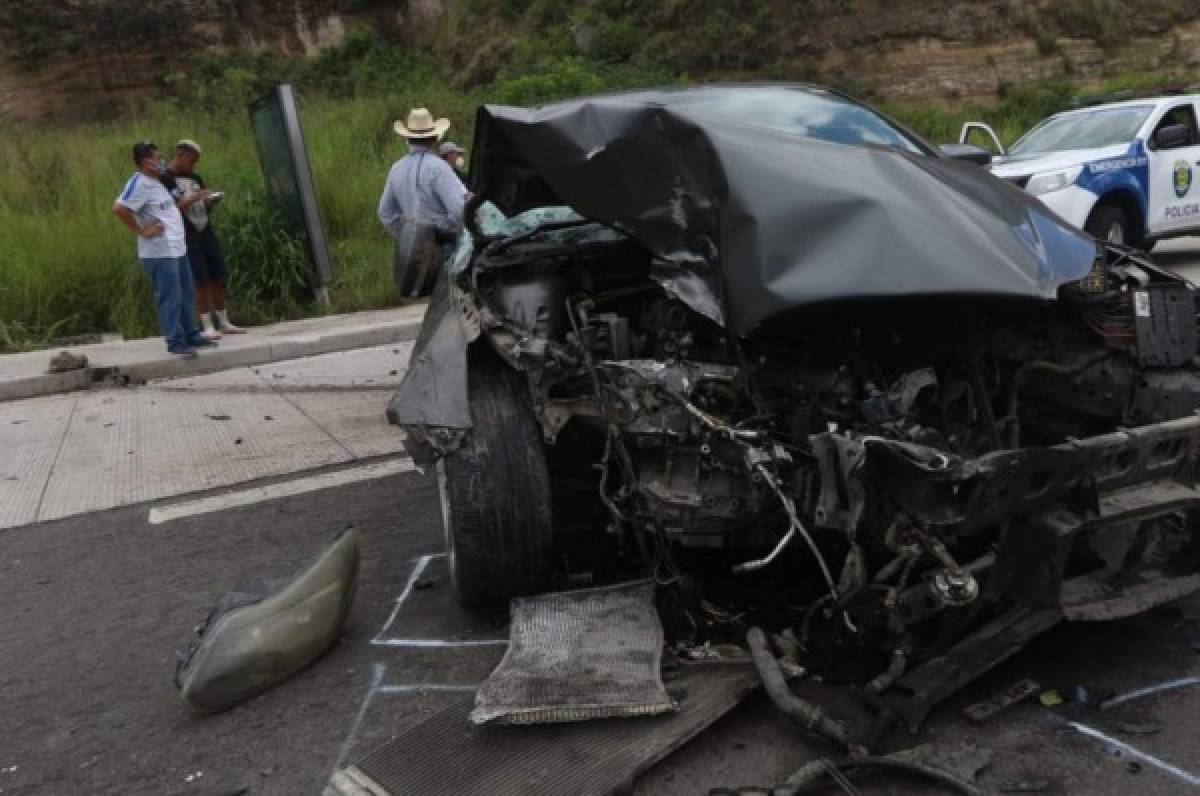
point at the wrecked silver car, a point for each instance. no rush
(812, 374)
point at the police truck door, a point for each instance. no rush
(1173, 198)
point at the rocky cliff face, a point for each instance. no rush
(80, 58)
(77, 58)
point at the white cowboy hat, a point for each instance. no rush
(421, 124)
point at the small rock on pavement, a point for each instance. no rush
(65, 361)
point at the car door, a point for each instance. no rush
(1173, 197)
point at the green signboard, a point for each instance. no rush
(285, 166)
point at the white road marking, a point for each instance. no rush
(1161, 765)
(417, 688)
(1170, 685)
(282, 489)
(434, 642)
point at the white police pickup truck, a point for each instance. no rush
(1124, 171)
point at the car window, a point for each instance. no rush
(1181, 114)
(1083, 130)
(808, 112)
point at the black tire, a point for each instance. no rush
(1107, 220)
(495, 493)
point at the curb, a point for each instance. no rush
(270, 350)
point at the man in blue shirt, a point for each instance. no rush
(422, 204)
(148, 209)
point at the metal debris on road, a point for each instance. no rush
(998, 703)
(577, 655)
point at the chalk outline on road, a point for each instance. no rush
(1161, 765)
(418, 570)
(378, 670)
(281, 489)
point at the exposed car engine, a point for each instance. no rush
(901, 449)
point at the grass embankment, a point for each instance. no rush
(67, 266)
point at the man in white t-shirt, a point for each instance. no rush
(148, 209)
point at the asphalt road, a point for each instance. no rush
(95, 605)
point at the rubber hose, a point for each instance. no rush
(798, 710)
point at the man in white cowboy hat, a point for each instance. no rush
(422, 204)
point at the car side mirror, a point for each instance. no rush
(968, 153)
(1172, 136)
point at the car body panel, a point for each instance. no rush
(747, 222)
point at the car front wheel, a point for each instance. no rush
(1108, 223)
(495, 493)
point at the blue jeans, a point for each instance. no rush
(174, 295)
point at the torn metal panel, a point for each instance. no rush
(434, 390)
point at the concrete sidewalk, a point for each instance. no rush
(138, 361)
(98, 449)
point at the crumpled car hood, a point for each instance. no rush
(749, 222)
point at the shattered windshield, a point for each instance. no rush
(808, 112)
(1083, 130)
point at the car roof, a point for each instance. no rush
(1130, 103)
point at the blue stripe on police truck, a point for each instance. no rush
(1130, 171)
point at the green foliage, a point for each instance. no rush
(1047, 43)
(556, 80)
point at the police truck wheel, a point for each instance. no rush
(1108, 223)
(495, 493)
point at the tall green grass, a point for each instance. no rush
(68, 266)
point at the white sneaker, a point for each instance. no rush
(210, 334)
(229, 327)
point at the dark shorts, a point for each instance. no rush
(208, 263)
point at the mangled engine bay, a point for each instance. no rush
(890, 408)
(907, 473)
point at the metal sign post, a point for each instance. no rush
(288, 174)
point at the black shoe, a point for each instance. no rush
(186, 352)
(200, 342)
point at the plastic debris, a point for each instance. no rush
(193, 776)
(1050, 699)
